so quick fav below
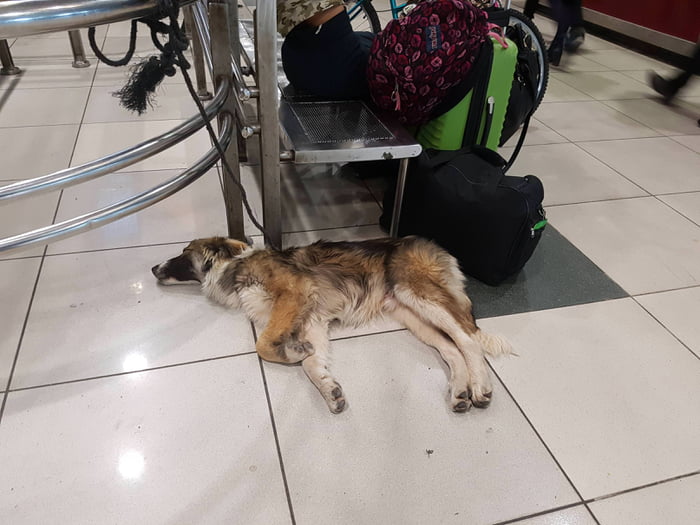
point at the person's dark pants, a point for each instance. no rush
(567, 14)
(530, 8)
(328, 61)
(692, 69)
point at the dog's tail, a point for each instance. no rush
(494, 345)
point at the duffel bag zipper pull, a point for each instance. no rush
(539, 224)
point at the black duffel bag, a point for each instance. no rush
(489, 221)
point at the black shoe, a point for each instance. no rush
(663, 87)
(554, 53)
(574, 39)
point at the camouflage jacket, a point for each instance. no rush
(292, 12)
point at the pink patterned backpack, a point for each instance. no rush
(415, 60)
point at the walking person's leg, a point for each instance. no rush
(577, 32)
(530, 8)
(565, 15)
(668, 88)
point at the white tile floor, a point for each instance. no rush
(125, 402)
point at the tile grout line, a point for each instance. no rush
(618, 139)
(604, 163)
(8, 388)
(21, 338)
(130, 372)
(41, 265)
(666, 328)
(684, 145)
(645, 486)
(542, 441)
(649, 195)
(642, 294)
(116, 248)
(615, 199)
(585, 503)
(666, 204)
(275, 434)
(520, 519)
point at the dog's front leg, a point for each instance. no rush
(317, 368)
(280, 341)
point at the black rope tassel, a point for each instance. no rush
(139, 92)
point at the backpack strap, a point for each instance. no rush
(519, 145)
(482, 74)
(533, 93)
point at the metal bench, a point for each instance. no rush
(310, 130)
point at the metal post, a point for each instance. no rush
(235, 38)
(197, 56)
(398, 198)
(233, 31)
(76, 45)
(268, 113)
(221, 58)
(8, 66)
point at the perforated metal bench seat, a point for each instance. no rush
(323, 131)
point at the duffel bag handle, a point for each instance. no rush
(435, 160)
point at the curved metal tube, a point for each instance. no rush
(32, 17)
(120, 159)
(201, 22)
(123, 208)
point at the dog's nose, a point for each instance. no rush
(155, 270)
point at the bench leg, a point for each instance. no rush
(8, 66)
(268, 113)
(76, 45)
(221, 58)
(398, 198)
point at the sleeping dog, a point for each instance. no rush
(297, 293)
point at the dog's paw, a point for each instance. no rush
(335, 399)
(479, 386)
(302, 347)
(481, 398)
(461, 402)
(297, 350)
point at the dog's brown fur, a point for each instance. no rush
(298, 292)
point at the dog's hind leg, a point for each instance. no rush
(280, 340)
(459, 326)
(459, 374)
(317, 368)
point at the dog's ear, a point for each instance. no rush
(233, 247)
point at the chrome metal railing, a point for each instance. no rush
(243, 91)
(125, 207)
(33, 17)
(118, 160)
(26, 17)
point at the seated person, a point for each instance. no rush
(321, 53)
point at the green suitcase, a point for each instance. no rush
(466, 124)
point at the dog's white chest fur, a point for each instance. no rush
(256, 303)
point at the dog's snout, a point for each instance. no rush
(156, 270)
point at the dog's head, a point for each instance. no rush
(195, 261)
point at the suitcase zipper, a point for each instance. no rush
(491, 103)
